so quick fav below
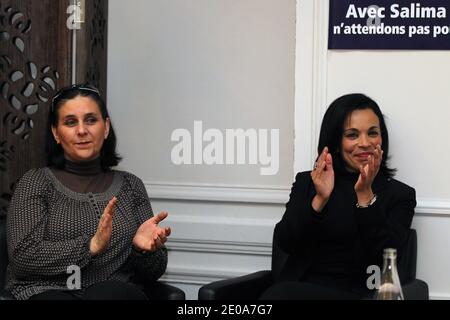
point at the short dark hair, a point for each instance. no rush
(332, 129)
(55, 153)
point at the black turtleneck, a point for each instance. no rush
(84, 177)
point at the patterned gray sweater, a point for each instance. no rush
(49, 228)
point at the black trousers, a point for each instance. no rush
(106, 290)
(292, 290)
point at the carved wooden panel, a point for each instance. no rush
(34, 62)
(92, 45)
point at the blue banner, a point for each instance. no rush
(389, 24)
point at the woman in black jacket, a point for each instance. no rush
(341, 215)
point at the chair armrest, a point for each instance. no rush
(155, 291)
(415, 290)
(159, 290)
(247, 287)
(6, 295)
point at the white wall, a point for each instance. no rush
(411, 88)
(230, 64)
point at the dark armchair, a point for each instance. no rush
(158, 289)
(251, 286)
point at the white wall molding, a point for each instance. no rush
(433, 207)
(252, 194)
(228, 247)
(243, 235)
(310, 79)
(320, 73)
(439, 296)
(198, 276)
(218, 193)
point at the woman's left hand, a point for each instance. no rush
(150, 236)
(367, 174)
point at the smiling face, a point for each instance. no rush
(360, 137)
(80, 129)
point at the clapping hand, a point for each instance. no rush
(367, 174)
(102, 236)
(150, 236)
(323, 179)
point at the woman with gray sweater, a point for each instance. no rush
(77, 229)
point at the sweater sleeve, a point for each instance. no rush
(151, 265)
(30, 253)
(298, 228)
(386, 224)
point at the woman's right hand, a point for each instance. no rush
(323, 179)
(101, 239)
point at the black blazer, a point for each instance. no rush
(308, 236)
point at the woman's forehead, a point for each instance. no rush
(79, 106)
(361, 117)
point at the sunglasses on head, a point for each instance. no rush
(81, 87)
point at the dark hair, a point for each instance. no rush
(332, 129)
(55, 153)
